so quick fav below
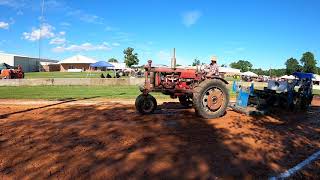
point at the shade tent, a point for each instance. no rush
(101, 64)
(316, 77)
(230, 71)
(118, 66)
(291, 77)
(249, 74)
(5, 66)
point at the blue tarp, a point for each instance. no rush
(301, 75)
(101, 64)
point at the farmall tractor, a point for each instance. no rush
(193, 87)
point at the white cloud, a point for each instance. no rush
(55, 4)
(115, 44)
(88, 18)
(59, 38)
(15, 4)
(82, 47)
(65, 24)
(190, 18)
(4, 25)
(45, 32)
(62, 33)
(109, 28)
(58, 41)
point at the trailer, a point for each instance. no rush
(290, 95)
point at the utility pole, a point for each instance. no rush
(40, 32)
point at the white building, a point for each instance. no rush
(76, 63)
(29, 64)
(316, 81)
(118, 66)
(229, 71)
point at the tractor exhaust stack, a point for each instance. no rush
(173, 59)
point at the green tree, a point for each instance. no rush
(309, 63)
(178, 65)
(242, 65)
(130, 58)
(278, 72)
(260, 71)
(113, 60)
(292, 65)
(223, 65)
(196, 62)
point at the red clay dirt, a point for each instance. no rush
(108, 140)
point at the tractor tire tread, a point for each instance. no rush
(139, 101)
(197, 98)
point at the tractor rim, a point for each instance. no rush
(213, 99)
(147, 105)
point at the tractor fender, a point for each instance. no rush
(219, 78)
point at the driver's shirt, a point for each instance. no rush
(213, 69)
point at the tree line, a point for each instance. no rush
(307, 64)
(130, 57)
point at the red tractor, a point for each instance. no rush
(10, 73)
(207, 94)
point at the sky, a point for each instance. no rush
(264, 32)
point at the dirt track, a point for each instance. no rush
(110, 140)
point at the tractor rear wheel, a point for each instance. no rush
(146, 104)
(186, 101)
(211, 98)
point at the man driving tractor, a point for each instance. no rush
(212, 69)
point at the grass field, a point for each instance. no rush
(63, 92)
(66, 92)
(316, 92)
(34, 75)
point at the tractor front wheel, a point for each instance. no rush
(146, 104)
(186, 101)
(211, 98)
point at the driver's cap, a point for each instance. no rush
(214, 58)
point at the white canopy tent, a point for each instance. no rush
(228, 70)
(118, 66)
(316, 78)
(249, 74)
(290, 77)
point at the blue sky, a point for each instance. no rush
(265, 32)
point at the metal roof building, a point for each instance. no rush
(29, 64)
